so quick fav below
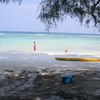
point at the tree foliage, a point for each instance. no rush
(7, 1)
(52, 11)
(86, 11)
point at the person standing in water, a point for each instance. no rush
(34, 47)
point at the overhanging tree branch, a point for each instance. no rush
(53, 11)
(93, 8)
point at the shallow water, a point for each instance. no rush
(51, 43)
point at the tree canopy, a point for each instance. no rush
(52, 11)
(86, 11)
(7, 1)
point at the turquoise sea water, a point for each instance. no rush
(51, 42)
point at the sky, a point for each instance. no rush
(15, 17)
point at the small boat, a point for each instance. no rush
(79, 59)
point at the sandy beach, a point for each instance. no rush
(38, 76)
(14, 59)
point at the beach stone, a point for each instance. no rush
(75, 98)
(66, 91)
(96, 79)
(37, 98)
(54, 98)
(96, 93)
(8, 70)
(2, 79)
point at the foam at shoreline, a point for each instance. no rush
(96, 54)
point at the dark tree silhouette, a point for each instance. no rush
(52, 11)
(7, 1)
(86, 11)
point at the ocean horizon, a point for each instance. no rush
(53, 33)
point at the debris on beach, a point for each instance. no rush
(47, 85)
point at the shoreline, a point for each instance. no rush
(27, 60)
(94, 54)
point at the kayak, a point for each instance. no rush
(79, 59)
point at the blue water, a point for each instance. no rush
(51, 42)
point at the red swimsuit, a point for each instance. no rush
(34, 46)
